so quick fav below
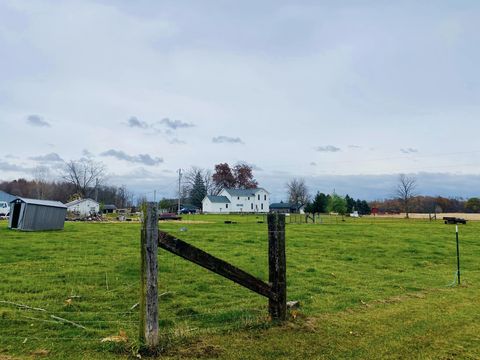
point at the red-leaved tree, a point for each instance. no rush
(240, 177)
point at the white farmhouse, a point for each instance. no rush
(237, 201)
(83, 207)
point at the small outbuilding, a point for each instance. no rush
(83, 207)
(35, 215)
(109, 209)
(287, 208)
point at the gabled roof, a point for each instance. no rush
(218, 199)
(109, 207)
(244, 192)
(282, 205)
(49, 203)
(78, 201)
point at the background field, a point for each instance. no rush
(369, 288)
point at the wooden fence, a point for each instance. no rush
(151, 238)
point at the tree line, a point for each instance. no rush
(298, 194)
(78, 179)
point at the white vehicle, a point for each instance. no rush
(4, 208)
(354, 214)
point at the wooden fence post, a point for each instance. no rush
(277, 266)
(149, 277)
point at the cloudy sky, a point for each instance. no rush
(344, 94)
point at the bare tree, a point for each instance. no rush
(406, 191)
(297, 192)
(41, 176)
(188, 180)
(85, 175)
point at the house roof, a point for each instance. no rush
(282, 205)
(49, 203)
(218, 199)
(109, 207)
(189, 207)
(244, 192)
(78, 201)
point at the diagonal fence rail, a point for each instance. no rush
(151, 238)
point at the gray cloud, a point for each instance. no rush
(5, 166)
(175, 124)
(354, 147)
(52, 157)
(327, 148)
(37, 120)
(227, 139)
(140, 158)
(409, 151)
(87, 153)
(134, 122)
(313, 163)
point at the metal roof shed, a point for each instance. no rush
(35, 215)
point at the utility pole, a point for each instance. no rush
(154, 196)
(179, 189)
(96, 189)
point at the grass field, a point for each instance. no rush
(369, 289)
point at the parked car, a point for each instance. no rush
(4, 209)
(188, 211)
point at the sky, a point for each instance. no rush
(346, 95)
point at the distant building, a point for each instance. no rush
(287, 208)
(83, 207)
(109, 209)
(35, 215)
(237, 201)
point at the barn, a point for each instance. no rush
(83, 207)
(35, 215)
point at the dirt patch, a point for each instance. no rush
(40, 353)
(200, 349)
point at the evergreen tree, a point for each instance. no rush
(320, 203)
(365, 208)
(198, 192)
(351, 205)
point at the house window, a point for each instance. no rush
(226, 206)
(252, 206)
(261, 206)
(249, 198)
(238, 197)
(265, 197)
(258, 196)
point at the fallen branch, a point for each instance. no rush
(22, 306)
(42, 320)
(68, 322)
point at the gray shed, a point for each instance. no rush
(34, 215)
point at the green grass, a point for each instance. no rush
(369, 289)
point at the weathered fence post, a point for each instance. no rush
(149, 280)
(277, 266)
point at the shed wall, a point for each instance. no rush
(37, 217)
